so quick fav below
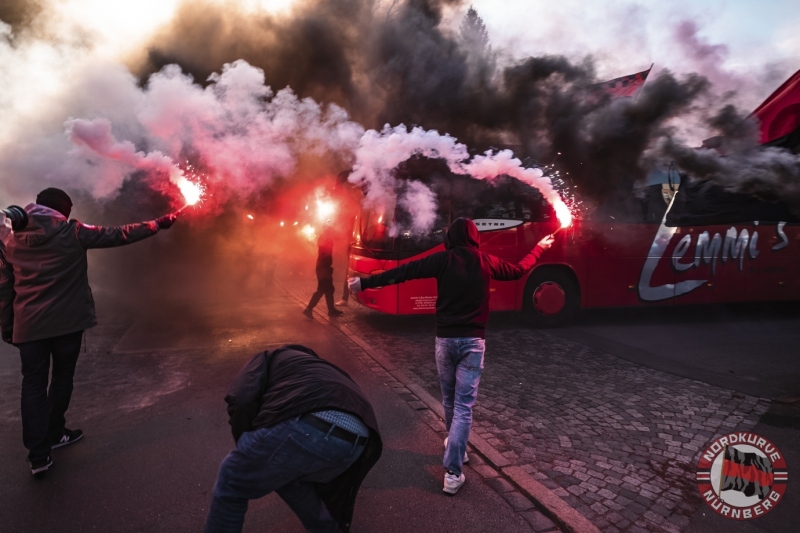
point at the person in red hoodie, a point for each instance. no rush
(462, 274)
(45, 306)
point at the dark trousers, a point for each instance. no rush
(43, 409)
(324, 288)
(288, 458)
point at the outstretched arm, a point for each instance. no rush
(427, 267)
(503, 271)
(108, 237)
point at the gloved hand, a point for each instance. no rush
(5, 227)
(167, 221)
(354, 284)
(7, 334)
(546, 242)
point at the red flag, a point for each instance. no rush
(626, 86)
(780, 113)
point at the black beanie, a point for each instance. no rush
(55, 199)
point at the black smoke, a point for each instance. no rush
(20, 14)
(402, 66)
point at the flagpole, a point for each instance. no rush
(645, 81)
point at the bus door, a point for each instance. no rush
(501, 238)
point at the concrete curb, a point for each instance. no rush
(557, 509)
(567, 518)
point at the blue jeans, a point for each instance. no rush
(44, 408)
(459, 361)
(286, 458)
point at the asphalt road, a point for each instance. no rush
(149, 395)
(753, 349)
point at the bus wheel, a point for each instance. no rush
(551, 297)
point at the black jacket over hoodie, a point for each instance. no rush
(293, 380)
(462, 278)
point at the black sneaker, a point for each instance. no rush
(335, 312)
(40, 466)
(308, 313)
(70, 436)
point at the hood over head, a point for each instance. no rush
(462, 232)
(55, 199)
(43, 223)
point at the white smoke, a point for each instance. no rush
(379, 153)
(244, 135)
(420, 203)
(94, 141)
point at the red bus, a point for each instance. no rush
(656, 247)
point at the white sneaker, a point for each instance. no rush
(453, 482)
(466, 457)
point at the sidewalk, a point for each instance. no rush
(615, 441)
(539, 504)
(148, 394)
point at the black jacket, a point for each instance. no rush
(462, 279)
(324, 267)
(277, 386)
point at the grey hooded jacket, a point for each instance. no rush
(44, 283)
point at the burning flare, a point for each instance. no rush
(307, 231)
(563, 213)
(192, 192)
(325, 209)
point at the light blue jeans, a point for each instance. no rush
(287, 458)
(459, 361)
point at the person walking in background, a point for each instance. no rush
(45, 306)
(462, 275)
(324, 270)
(345, 301)
(304, 429)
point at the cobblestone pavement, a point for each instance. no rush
(616, 441)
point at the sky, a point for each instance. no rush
(740, 38)
(78, 47)
(743, 45)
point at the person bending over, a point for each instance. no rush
(303, 429)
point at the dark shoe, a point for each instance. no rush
(70, 436)
(40, 466)
(308, 313)
(335, 312)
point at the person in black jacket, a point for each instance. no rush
(324, 270)
(303, 429)
(462, 273)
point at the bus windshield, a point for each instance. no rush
(386, 231)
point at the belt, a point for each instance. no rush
(339, 433)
